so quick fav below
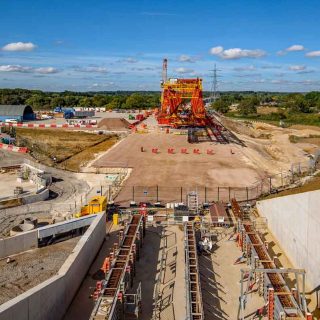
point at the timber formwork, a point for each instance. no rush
(194, 297)
(120, 269)
(283, 303)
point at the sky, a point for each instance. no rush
(119, 45)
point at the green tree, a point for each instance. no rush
(221, 106)
(135, 101)
(248, 105)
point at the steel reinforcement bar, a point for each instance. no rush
(194, 296)
(119, 268)
(282, 293)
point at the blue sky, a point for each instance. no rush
(119, 45)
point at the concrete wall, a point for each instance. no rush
(295, 222)
(41, 196)
(22, 242)
(51, 299)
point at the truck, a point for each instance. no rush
(69, 113)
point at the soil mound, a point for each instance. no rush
(114, 124)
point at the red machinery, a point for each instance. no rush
(181, 102)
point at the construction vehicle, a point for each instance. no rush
(69, 113)
(96, 204)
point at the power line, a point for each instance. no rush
(214, 93)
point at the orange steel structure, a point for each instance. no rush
(181, 102)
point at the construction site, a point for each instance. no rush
(176, 213)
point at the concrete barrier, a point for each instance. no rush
(51, 299)
(295, 222)
(22, 242)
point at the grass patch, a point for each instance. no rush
(312, 138)
(45, 145)
(82, 158)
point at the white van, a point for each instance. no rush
(11, 121)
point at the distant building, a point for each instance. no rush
(16, 112)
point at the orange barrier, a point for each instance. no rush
(210, 151)
(184, 150)
(196, 151)
(155, 150)
(171, 150)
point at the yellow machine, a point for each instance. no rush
(95, 205)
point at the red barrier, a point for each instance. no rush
(196, 151)
(10, 147)
(155, 150)
(42, 125)
(210, 151)
(53, 125)
(23, 150)
(89, 126)
(65, 125)
(30, 125)
(171, 150)
(184, 150)
(19, 124)
(1, 145)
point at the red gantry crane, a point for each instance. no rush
(181, 101)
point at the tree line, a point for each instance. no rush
(247, 104)
(286, 109)
(40, 100)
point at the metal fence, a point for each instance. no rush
(178, 194)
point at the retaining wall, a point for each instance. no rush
(51, 299)
(295, 222)
(19, 243)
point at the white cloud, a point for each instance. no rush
(14, 68)
(293, 48)
(182, 70)
(297, 68)
(128, 60)
(24, 69)
(46, 70)
(245, 68)
(186, 58)
(216, 50)
(313, 54)
(296, 47)
(93, 69)
(19, 46)
(236, 53)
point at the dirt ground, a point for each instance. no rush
(223, 168)
(266, 151)
(32, 267)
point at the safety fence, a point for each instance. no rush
(48, 125)
(178, 194)
(11, 147)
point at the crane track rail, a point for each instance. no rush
(194, 296)
(277, 281)
(122, 268)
